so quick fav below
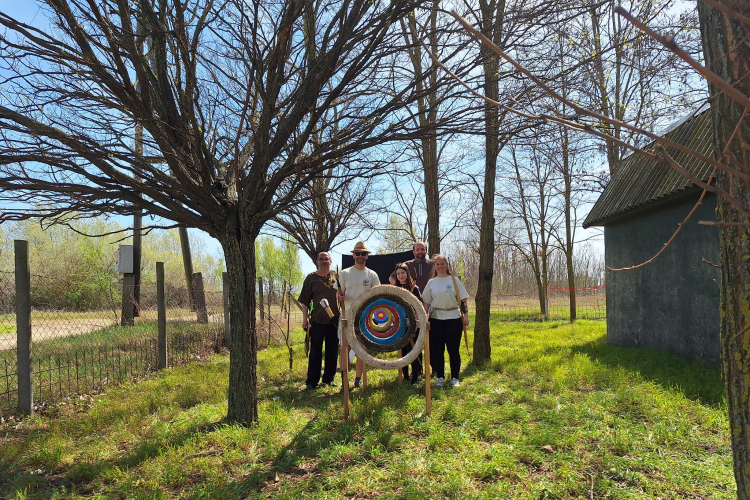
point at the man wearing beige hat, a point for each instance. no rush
(355, 281)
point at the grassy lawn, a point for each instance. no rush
(557, 414)
(88, 362)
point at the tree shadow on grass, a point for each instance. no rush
(80, 474)
(370, 426)
(697, 380)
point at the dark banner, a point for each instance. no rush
(383, 264)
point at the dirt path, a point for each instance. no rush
(50, 329)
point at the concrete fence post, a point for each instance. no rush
(128, 300)
(200, 298)
(161, 308)
(23, 328)
(225, 294)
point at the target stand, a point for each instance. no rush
(384, 319)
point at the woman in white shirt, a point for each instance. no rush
(446, 324)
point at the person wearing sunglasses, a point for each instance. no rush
(354, 281)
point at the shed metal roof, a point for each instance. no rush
(640, 181)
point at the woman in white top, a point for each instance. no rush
(446, 324)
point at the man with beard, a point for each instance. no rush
(317, 286)
(420, 266)
(354, 281)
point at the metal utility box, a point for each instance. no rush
(125, 259)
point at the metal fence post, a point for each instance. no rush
(200, 298)
(225, 294)
(161, 307)
(23, 327)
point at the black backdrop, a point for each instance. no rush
(382, 264)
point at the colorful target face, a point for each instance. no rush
(384, 324)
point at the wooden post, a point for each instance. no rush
(128, 299)
(225, 293)
(401, 370)
(200, 298)
(161, 307)
(344, 360)
(23, 328)
(427, 389)
(364, 375)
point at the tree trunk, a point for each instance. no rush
(432, 197)
(427, 110)
(569, 240)
(541, 291)
(242, 404)
(490, 66)
(727, 54)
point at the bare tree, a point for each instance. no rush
(234, 93)
(513, 26)
(527, 196)
(442, 109)
(724, 28)
(628, 76)
(327, 212)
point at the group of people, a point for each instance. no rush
(430, 280)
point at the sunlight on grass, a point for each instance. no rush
(558, 413)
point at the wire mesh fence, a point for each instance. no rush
(79, 350)
(80, 346)
(591, 303)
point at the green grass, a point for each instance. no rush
(87, 362)
(558, 413)
(7, 330)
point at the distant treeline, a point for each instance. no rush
(70, 271)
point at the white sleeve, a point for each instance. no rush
(427, 294)
(462, 291)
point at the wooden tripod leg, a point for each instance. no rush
(401, 371)
(345, 368)
(427, 389)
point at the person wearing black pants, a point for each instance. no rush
(319, 335)
(404, 280)
(323, 324)
(445, 334)
(446, 321)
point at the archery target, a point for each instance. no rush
(384, 319)
(385, 325)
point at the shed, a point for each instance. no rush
(672, 303)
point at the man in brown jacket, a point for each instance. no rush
(420, 266)
(323, 329)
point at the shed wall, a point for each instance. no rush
(673, 303)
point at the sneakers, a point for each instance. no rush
(440, 382)
(309, 387)
(357, 382)
(455, 382)
(415, 381)
(332, 384)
